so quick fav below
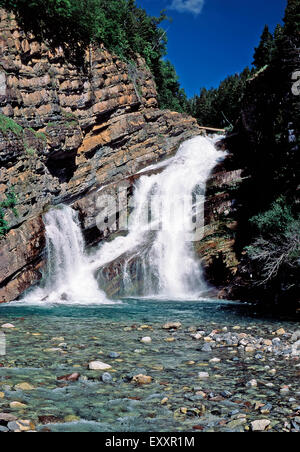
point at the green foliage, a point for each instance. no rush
(9, 202)
(274, 220)
(123, 28)
(270, 156)
(276, 258)
(8, 125)
(170, 95)
(221, 107)
(3, 223)
(263, 53)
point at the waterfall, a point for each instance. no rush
(68, 277)
(166, 219)
(162, 228)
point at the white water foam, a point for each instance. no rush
(159, 236)
(169, 268)
(68, 278)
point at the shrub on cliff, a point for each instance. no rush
(10, 203)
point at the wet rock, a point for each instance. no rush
(172, 326)
(280, 332)
(114, 355)
(21, 426)
(24, 387)
(251, 384)
(203, 375)
(71, 377)
(17, 405)
(142, 379)
(284, 390)
(215, 361)
(7, 326)
(226, 394)
(236, 423)
(295, 336)
(266, 409)
(6, 417)
(249, 349)
(71, 418)
(107, 378)
(99, 365)
(49, 420)
(260, 425)
(197, 336)
(146, 340)
(296, 348)
(206, 348)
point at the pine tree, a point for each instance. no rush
(292, 19)
(263, 53)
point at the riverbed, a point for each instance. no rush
(181, 366)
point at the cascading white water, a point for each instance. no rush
(160, 236)
(163, 217)
(68, 277)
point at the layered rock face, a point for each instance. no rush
(66, 131)
(69, 134)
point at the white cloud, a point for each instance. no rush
(187, 6)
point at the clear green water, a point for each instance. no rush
(86, 333)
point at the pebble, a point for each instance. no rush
(114, 355)
(203, 375)
(206, 348)
(260, 425)
(197, 336)
(98, 365)
(172, 326)
(24, 387)
(107, 378)
(71, 377)
(236, 423)
(215, 361)
(252, 384)
(285, 390)
(296, 336)
(7, 326)
(21, 426)
(17, 405)
(71, 418)
(6, 417)
(249, 349)
(142, 379)
(146, 340)
(280, 332)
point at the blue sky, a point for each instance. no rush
(210, 39)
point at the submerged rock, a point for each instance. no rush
(146, 340)
(71, 377)
(99, 365)
(172, 326)
(203, 375)
(142, 379)
(106, 377)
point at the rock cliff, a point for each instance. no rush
(67, 131)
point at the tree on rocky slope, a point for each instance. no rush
(263, 53)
